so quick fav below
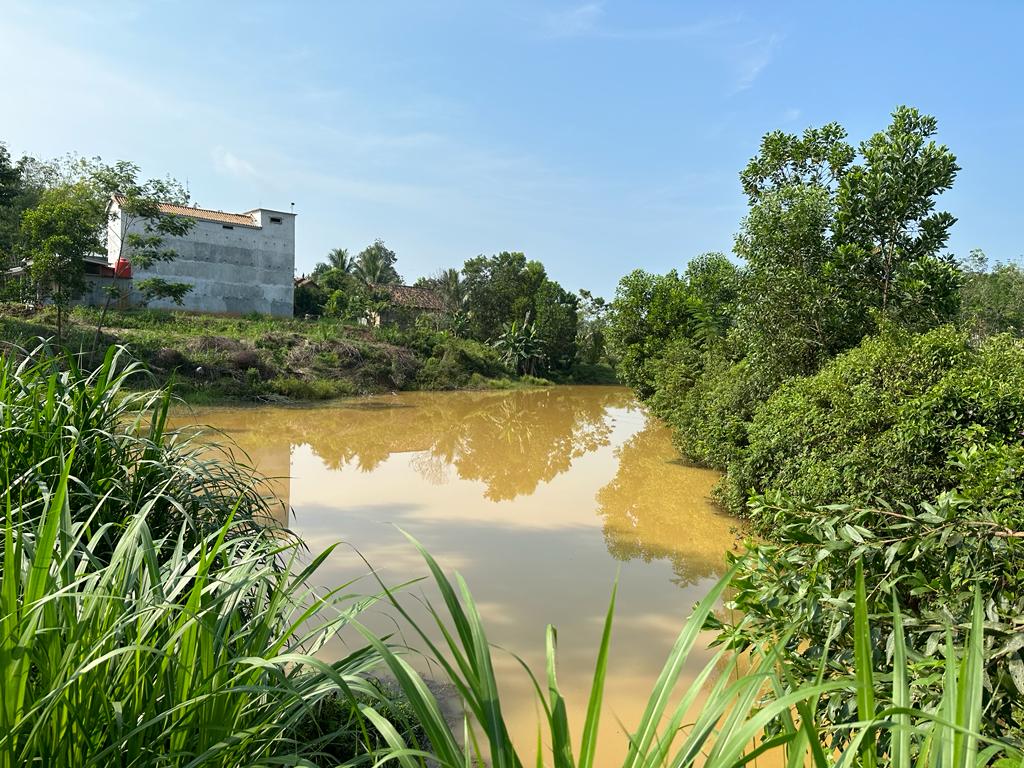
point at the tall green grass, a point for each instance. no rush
(146, 618)
(124, 459)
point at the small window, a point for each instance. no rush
(275, 219)
(227, 226)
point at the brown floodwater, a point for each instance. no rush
(539, 498)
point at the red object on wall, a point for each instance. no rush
(123, 269)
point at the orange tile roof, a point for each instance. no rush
(235, 219)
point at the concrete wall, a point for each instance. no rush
(232, 269)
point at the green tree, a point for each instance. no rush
(499, 289)
(832, 245)
(648, 313)
(338, 260)
(59, 233)
(308, 300)
(818, 158)
(886, 214)
(557, 323)
(592, 327)
(800, 303)
(448, 284)
(714, 283)
(375, 265)
(20, 188)
(993, 298)
(520, 346)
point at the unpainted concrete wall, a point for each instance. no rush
(232, 269)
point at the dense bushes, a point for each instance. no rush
(930, 558)
(902, 417)
(454, 362)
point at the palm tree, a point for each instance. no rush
(337, 260)
(452, 289)
(375, 265)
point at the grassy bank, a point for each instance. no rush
(269, 359)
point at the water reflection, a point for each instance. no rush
(644, 519)
(510, 441)
(541, 499)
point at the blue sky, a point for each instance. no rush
(595, 136)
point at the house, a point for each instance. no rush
(405, 304)
(236, 263)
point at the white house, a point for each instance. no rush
(236, 263)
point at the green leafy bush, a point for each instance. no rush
(454, 361)
(900, 417)
(311, 389)
(930, 559)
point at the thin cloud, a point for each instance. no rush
(228, 162)
(588, 20)
(578, 21)
(752, 59)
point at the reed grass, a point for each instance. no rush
(146, 618)
(124, 456)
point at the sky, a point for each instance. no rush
(597, 137)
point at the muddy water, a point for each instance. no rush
(539, 498)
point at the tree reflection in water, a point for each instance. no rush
(510, 441)
(656, 507)
(652, 508)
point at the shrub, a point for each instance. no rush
(930, 559)
(891, 418)
(454, 361)
(311, 389)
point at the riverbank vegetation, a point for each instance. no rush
(150, 614)
(498, 321)
(860, 388)
(213, 359)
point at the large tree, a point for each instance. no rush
(887, 218)
(557, 323)
(59, 232)
(375, 265)
(649, 313)
(836, 242)
(20, 189)
(338, 261)
(500, 289)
